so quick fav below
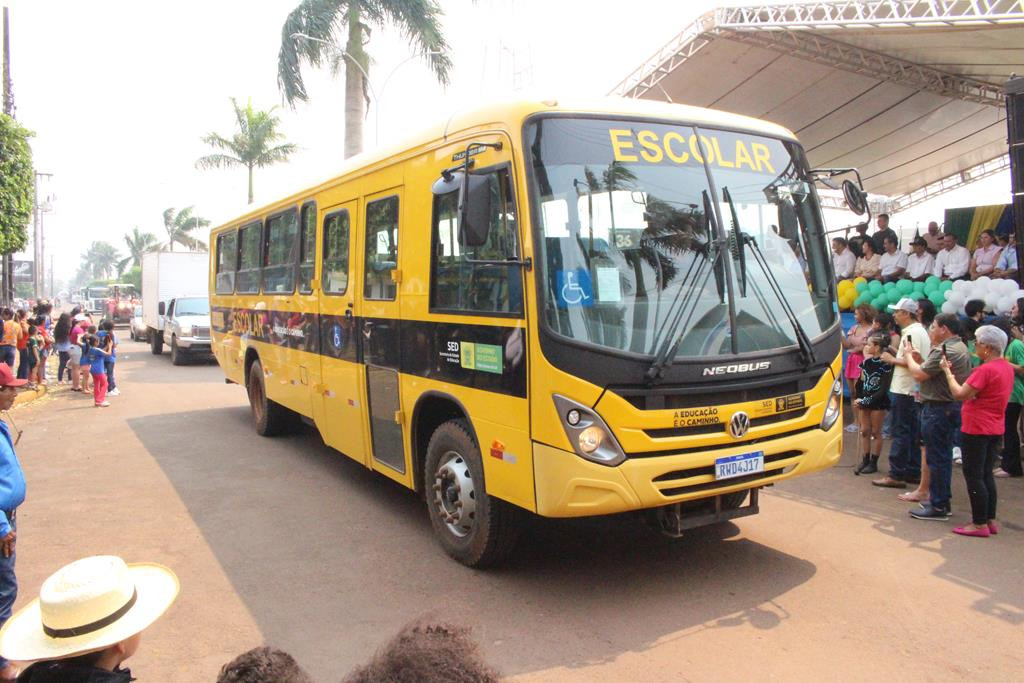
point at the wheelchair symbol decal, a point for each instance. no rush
(575, 288)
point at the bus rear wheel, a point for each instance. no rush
(269, 418)
(472, 527)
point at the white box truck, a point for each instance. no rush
(176, 303)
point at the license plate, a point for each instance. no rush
(739, 465)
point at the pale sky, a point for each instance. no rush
(119, 93)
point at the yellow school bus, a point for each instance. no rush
(557, 308)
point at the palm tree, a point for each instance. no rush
(101, 259)
(138, 244)
(253, 144)
(308, 33)
(179, 224)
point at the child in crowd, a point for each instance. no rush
(85, 372)
(873, 400)
(95, 359)
(109, 343)
(75, 353)
(45, 347)
(32, 356)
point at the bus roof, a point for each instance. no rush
(511, 115)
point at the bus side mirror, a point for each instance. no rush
(474, 209)
(161, 308)
(856, 198)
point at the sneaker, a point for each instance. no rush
(927, 512)
(113, 392)
(851, 428)
(105, 404)
(958, 456)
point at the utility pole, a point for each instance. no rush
(7, 272)
(38, 255)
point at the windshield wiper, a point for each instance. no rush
(670, 340)
(738, 252)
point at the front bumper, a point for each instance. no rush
(570, 486)
(195, 344)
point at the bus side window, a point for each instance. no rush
(227, 257)
(279, 259)
(335, 265)
(247, 280)
(381, 248)
(307, 247)
(460, 285)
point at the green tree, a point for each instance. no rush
(138, 243)
(252, 146)
(321, 20)
(16, 185)
(101, 259)
(180, 224)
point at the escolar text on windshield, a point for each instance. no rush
(649, 146)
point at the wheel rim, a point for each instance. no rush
(256, 397)
(455, 494)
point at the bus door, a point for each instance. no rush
(380, 330)
(339, 413)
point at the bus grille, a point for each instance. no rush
(720, 426)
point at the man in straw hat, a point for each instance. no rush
(88, 619)
(12, 494)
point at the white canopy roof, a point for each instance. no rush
(907, 91)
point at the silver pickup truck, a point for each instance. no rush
(185, 326)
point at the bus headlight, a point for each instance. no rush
(589, 435)
(834, 407)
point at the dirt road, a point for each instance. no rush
(285, 541)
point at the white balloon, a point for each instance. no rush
(957, 299)
(991, 301)
(1004, 305)
(1019, 294)
(1009, 287)
(959, 285)
(949, 307)
(983, 281)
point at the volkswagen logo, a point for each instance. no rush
(739, 425)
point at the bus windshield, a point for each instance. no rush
(630, 256)
(97, 292)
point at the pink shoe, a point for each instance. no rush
(983, 532)
(993, 528)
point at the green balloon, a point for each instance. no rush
(875, 287)
(905, 286)
(918, 286)
(945, 286)
(894, 295)
(930, 289)
(932, 281)
(889, 286)
(938, 300)
(860, 287)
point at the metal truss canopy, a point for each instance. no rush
(909, 91)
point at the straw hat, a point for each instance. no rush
(88, 605)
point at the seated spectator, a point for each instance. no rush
(920, 263)
(952, 261)
(857, 241)
(933, 238)
(427, 654)
(263, 665)
(983, 262)
(893, 263)
(869, 266)
(1006, 264)
(843, 259)
(88, 619)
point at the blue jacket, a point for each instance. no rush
(12, 479)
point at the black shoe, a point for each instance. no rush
(927, 512)
(865, 461)
(871, 467)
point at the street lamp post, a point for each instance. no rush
(373, 93)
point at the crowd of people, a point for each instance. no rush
(86, 350)
(879, 257)
(945, 389)
(89, 617)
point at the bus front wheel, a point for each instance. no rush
(473, 527)
(270, 418)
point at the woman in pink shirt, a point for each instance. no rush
(75, 352)
(985, 256)
(985, 395)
